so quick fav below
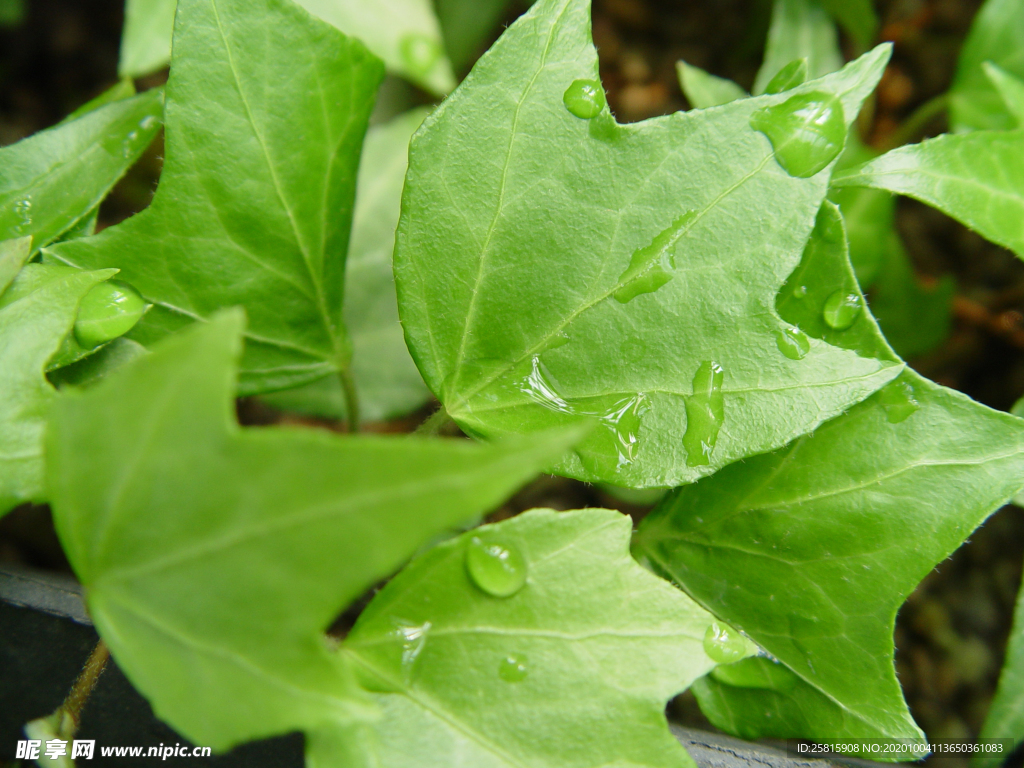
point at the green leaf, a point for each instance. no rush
(858, 17)
(800, 29)
(258, 212)
(1011, 91)
(124, 89)
(977, 178)
(386, 378)
(704, 90)
(586, 653)
(548, 229)
(51, 180)
(997, 35)
(1006, 717)
(466, 25)
(34, 321)
(215, 557)
(99, 365)
(146, 38)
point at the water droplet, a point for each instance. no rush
(585, 99)
(513, 668)
(23, 208)
(793, 343)
(789, 77)
(807, 131)
(538, 387)
(899, 401)
(414, 639)
(620, 418)
(420, 53)
(148, 122)
(107, 311)
(650, 267)
(705, 414)
(495, 567)
(841, 309)
(560, 339)
(724, 644)
(800, 292)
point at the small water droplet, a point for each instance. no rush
(724, 644)
(130, 144)
(899, 401)
(420, 53)
(585, 99)
(496, 567)
(414, 638)
(650, 267)
(800, 292)
(148, 122)
(789, 77)
(538, 387)
(23, 208)
(841, 309)
(513, 668)
(807, 131)
(107, 311)
(793, 343)
(705, 414)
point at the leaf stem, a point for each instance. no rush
(912, 127)
(69, 714)
(432, 427)
(348, 386)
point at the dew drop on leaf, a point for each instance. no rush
(513, 668)
(789, 77)
(650, 267)
(495, 567)
(793, 343)
(419, 53)
(128, 147)
(899, 401)
(841, 309)
(538, 387)
(107, 311)
(23, 208)
(619, 435)
(724, 644)
(584, 99)
(705, 414)
(800, 292)
(807, 131)
(149, 121)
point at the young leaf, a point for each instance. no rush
(33, 325)
(620, 273)
(977, 178)
(215, 557)
(51, 180)
(146, 38)
(1011, 91)
(800, 29)
(258, 212)
(469, 678)
(1006, 717)
(997, 35)
(386, 378)
(704, 90)
(858, 17)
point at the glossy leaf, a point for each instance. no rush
(1011, 91)
(585, 654)
(467, 24)
(556, 236)
(997, 35)
(258, 212)
(214, 557)
(976, 178)
(33, 325)
(1006, 716)
(799, 29)
(54, 178)
(386, 378)
(703, 90)
(146, 38)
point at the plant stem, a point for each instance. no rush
(433, 426)
(69, 714)
(348, 386)
(917, 122)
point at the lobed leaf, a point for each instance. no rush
(799, 29)
(257, 213)
(214, 558)
(1006, 716)
(557, 238)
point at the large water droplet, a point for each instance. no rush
(538, 387)
(724, 644)
(650, 267)
(419, 53)
(513, 668)
(899, 401)
(789, 77)
(841, 309)
(107, 311)
(584, 99)
(807, 131)
(705, 414)
(496, 567)
(793, 343)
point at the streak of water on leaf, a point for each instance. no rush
(650, 267)
(705, 414)
(793, 343)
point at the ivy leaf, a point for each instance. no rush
(997, 35)
(258, 212)
(586, 653)
(54, 178)
(33, 325)
(704, 90)
(555, 233)
(214, 557)
(1011, 91)
(811, 550)
(387, 380)
(1006, 717)
(146, 38)
(977, 178)
(800, 29)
